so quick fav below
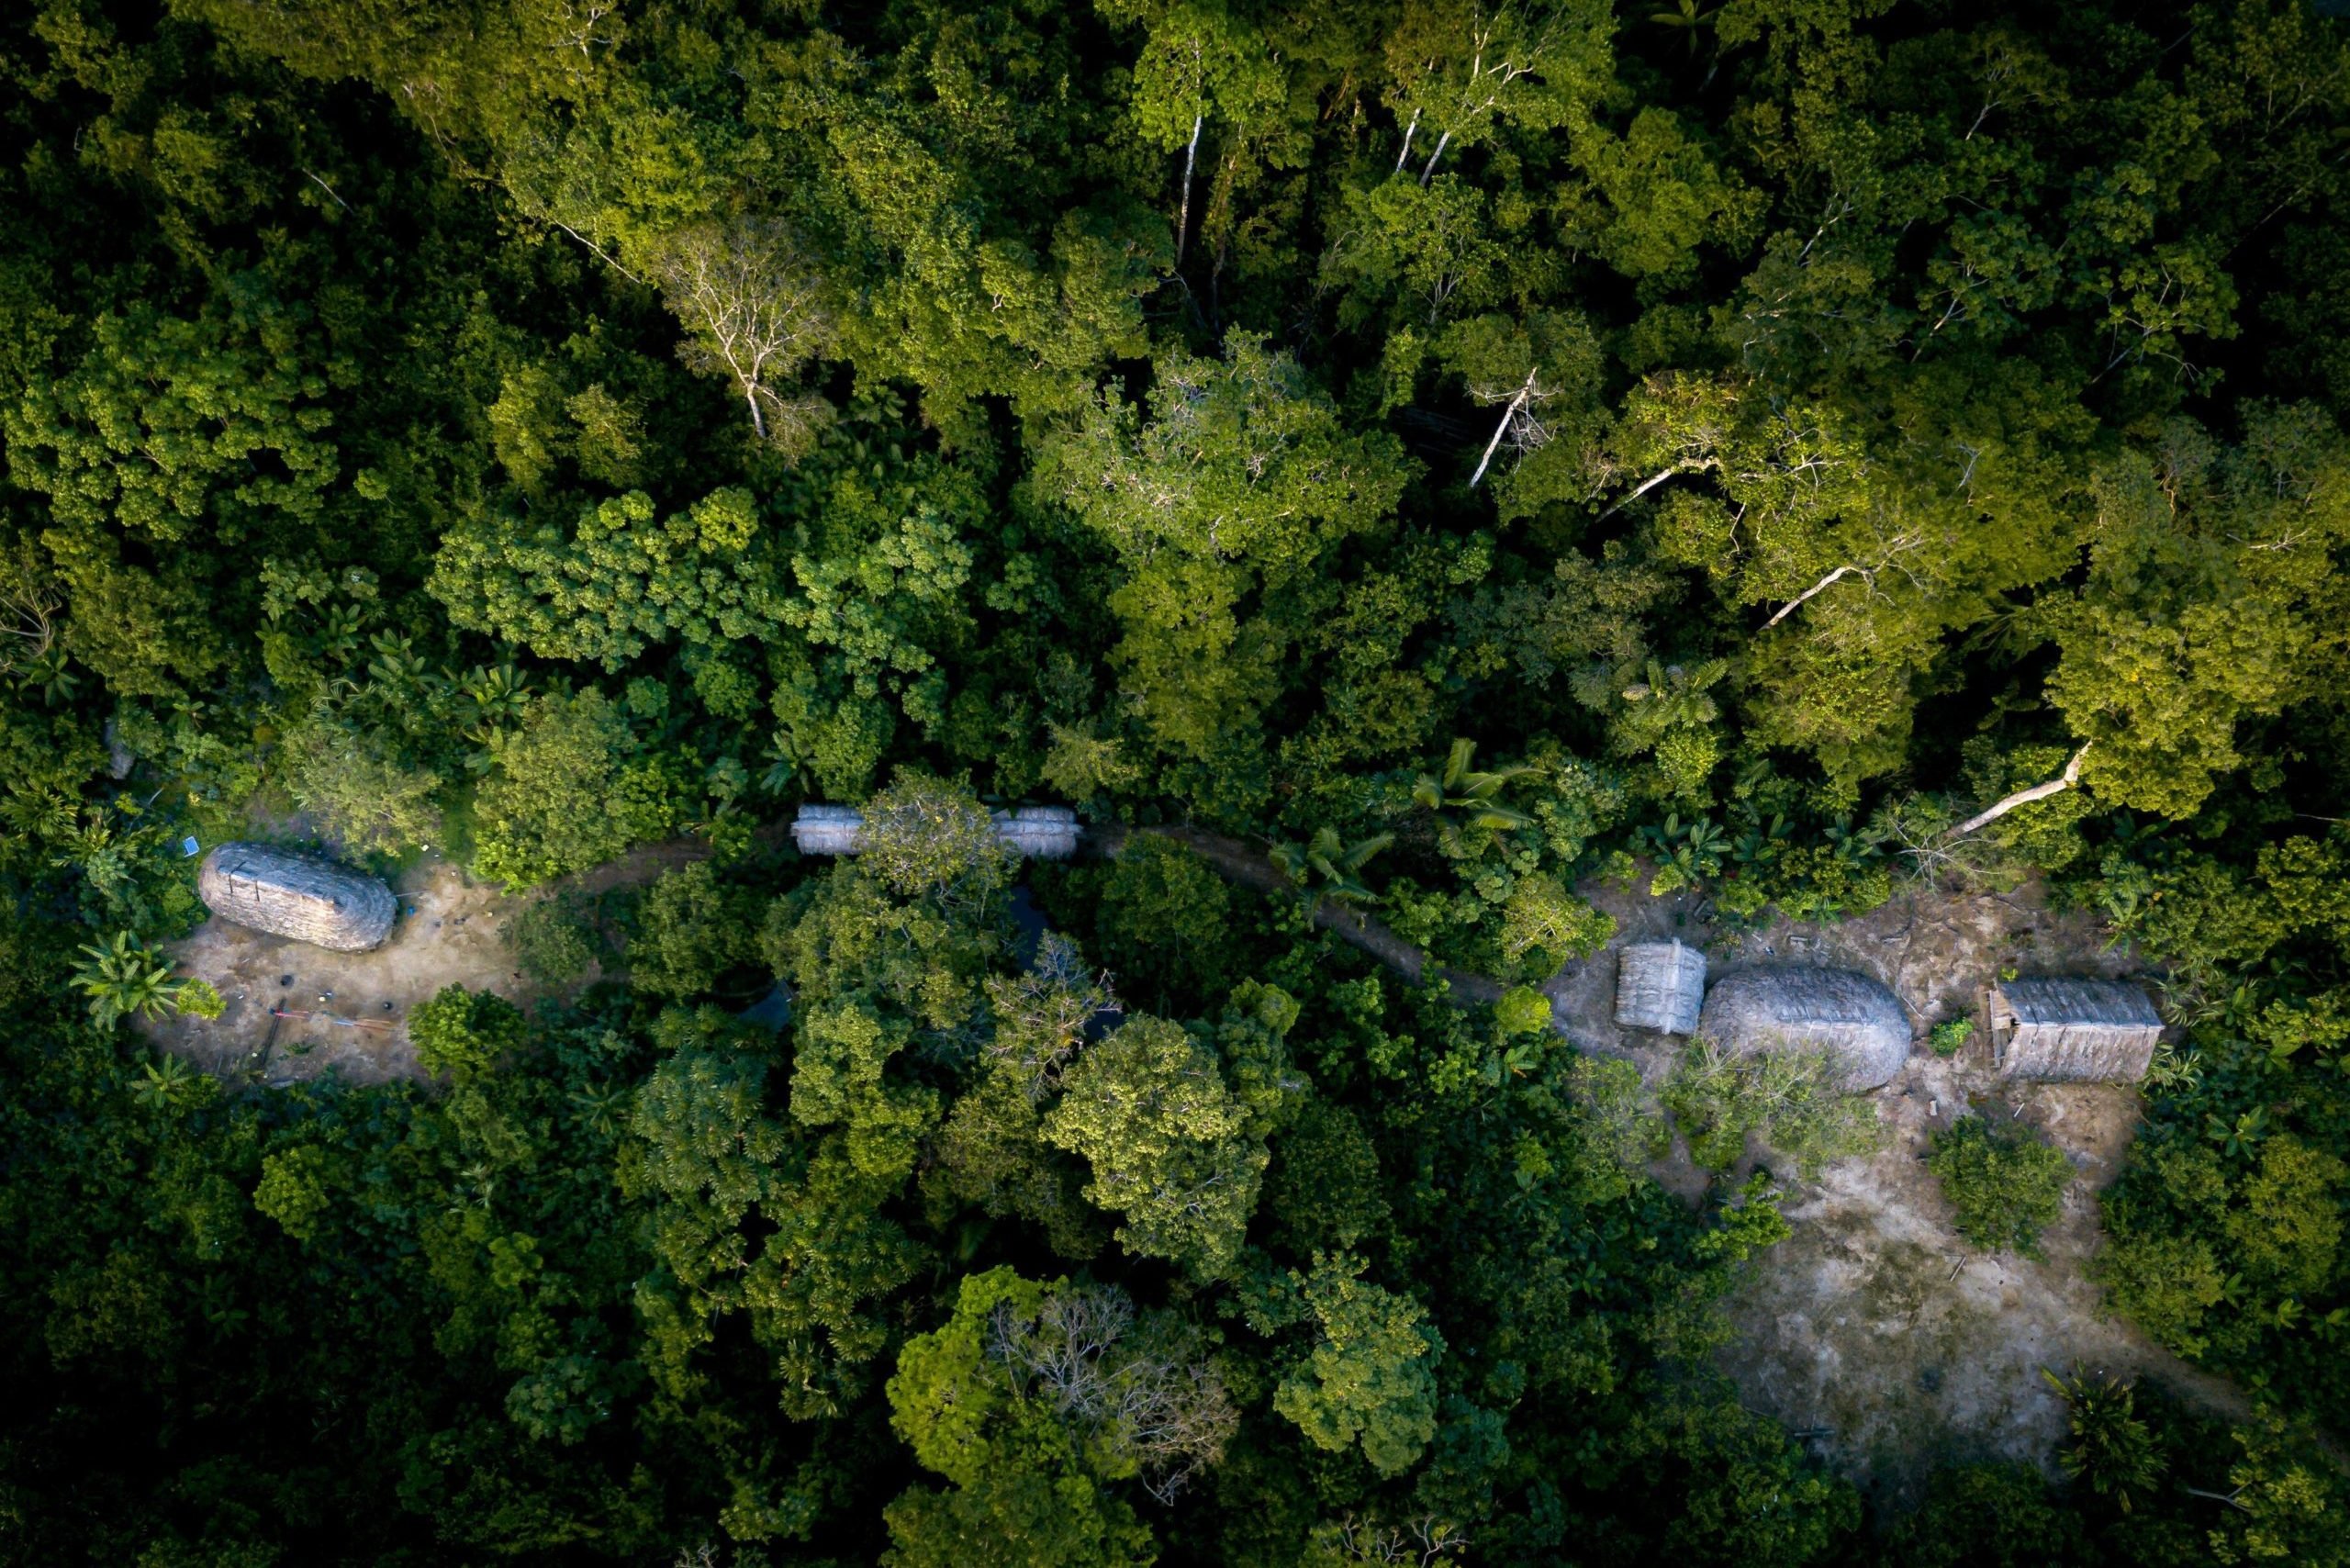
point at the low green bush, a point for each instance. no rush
(2007, 1184)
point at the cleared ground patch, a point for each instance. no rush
(1875, 1331)
(297, 1012)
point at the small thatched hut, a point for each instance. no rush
(300, 896)
(1848, 1014)
(1660, 986)
(1048, 833)
(2073, 1031)
(1045, 832)
(828, 829)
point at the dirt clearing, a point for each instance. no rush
(1875, 1331)
(298, 1011)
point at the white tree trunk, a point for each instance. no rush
(1650, 482)
(1502, 428)
(1441, 142)
(1990, 814)
(1183, 221)
(1796, 603)
(1405, 151)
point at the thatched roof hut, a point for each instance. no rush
(828, 829)
(1849, 1014)
(1048, 833)
(2075, 1031)
(1045, 833)
(1660, 986)
(298, 896)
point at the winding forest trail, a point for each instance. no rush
(1873, 1330)
(1253, 868)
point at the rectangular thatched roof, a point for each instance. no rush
(2069, 1029)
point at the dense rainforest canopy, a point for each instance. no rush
(1469, 447)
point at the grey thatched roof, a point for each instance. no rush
(297, 896)
(1660, 986)
(828, 829)
(1047, 832)
(1794, 1005)
(2072, 1029)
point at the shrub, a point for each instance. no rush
(357, 789)
(462, 1033)
(552, 940)
(2007, 1184)
(691, 929)
(1792, 1100)
(1951, 1035)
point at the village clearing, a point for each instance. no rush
(296, 1011)
(1878, 1336)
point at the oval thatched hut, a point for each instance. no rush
(1660, 986)
(298, 896)
(1047, 832)
(2072, 1031)
(1845, 1014)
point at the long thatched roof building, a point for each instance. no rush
(1777, 1005)
(1044, 833)
(1660, 986)
(2071, 1031)
(297, 896)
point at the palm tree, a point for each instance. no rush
(1463, 798)
(123, 980)
(1337, 863)
(160, 1083)
(2112, 1449)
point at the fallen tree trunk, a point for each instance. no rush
(2057, 786)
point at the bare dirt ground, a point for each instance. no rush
(447, 934)
(1875, 1331)
(349, 1011)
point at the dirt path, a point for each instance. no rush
(1252, 868)
(1875, 1331)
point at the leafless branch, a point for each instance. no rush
(2056, 786)
(753, 308)
(28, 607)
(1144, 1391)
(1508, 414)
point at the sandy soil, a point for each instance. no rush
(349, 1010)
(1875, 1331)
(447, 934)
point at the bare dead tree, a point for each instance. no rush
(1041, 1014)
(1997, 809)
(1518, 403)
(1423, 1544)
(755, 314)
(1144, 1390)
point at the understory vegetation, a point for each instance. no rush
(1784, 452)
